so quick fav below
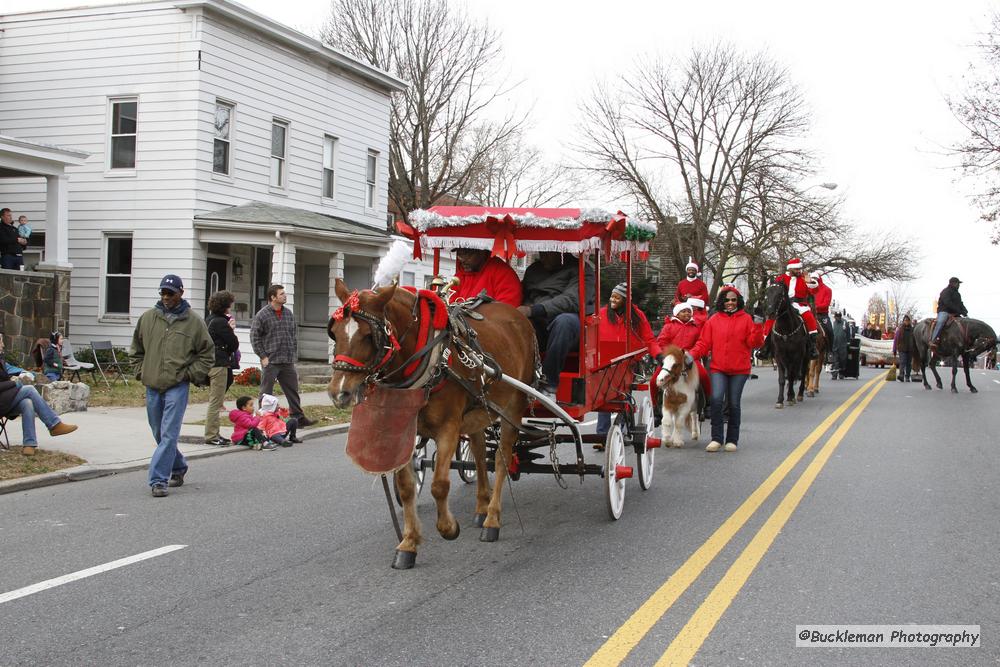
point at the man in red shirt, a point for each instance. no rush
(477, 271)
(822, 297)
(692, 286)
(798, 293)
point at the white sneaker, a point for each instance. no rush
(713, 446)
(730, 447)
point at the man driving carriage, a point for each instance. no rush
(551, 301)
(478, 272)
(798, 292)
(949, 305)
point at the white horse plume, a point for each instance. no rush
(393, 262)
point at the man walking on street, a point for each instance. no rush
(171, 349)
(273, 337)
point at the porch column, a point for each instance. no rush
(57, 222)
(283, 267)
(336, 271)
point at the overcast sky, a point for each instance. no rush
(875, 75)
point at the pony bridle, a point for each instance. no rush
(383, 338)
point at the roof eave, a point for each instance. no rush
(218, 223)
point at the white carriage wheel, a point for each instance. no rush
(464, 455)
(645, 460)
(614, 456)
(422, 450)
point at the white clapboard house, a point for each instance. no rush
(222, 146)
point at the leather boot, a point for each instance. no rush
(813, 354)
(657, 415)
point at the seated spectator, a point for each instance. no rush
(275, 423)
(52, 361)
(478, 272)
(19, 400)
(552, 301)
(246, 423)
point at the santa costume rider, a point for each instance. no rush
(798, 293)
(692, 287)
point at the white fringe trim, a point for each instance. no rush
(423, 220)
(574, 247)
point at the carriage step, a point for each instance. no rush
(653, 443)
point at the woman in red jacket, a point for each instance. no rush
(730, 335)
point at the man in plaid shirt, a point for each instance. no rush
(272, 335)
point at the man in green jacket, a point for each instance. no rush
(171, 349)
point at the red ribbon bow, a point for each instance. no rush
(413, 234)
(613, 231)
(504, 243)
(353, 303)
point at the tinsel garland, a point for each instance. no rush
(423, 220)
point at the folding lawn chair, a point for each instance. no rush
(72, 366)
(118, 368)
(4, 440)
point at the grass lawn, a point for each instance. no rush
(323, 415)
(134, 395)
(13, 464)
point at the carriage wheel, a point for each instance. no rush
(644, 461)
(419, 452)
(464, 455)
(614, 459)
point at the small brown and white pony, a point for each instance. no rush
(680, 398)
(503, 333)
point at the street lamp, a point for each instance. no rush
(825, 186)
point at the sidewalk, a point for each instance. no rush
(113, 440)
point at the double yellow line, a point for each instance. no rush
(697, 629)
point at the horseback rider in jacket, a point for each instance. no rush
(949, 305)
(798, 293)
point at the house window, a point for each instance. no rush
(279, 146)
(223, 128)
(329, 165)
(370, 177)
(117, 275)
(124, 128)
(408, 278)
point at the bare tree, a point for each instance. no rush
(978, 110)
(875, 313)
(713, 120)
(900, 302)
(440, 132)
(518, 175)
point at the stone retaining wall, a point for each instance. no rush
(32, 305)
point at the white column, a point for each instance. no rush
(336, 271)
(283, 268)
(57, 222)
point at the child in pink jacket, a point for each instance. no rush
(275, 423)
(247, 431)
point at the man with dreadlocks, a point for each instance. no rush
(612, 328)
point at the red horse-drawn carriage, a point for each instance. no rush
(520, 430)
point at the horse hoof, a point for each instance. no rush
(810, 394)
(404, 560)
(454, 535)
(954, 391)
(973, 390)
(478, 521)
(778, 406)
(489, 535)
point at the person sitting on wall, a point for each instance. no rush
(52, 360)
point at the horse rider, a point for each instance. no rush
(839, 339)
(822, 298)
(692, 286)
(681, 330)
(798, 293)
(477, 272)
(611, 327)
(552, 302)
(949, 305)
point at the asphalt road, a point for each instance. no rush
(286, 554)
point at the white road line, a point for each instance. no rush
(89, 572)
(997, 381)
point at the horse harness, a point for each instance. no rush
(787, 309)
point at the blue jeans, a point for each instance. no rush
(28, 403)
(12, 262)
(558, 338)
(165, 410)
(727, 387)
(53, 376)
(905, 364)
(942, 319)
(603, 422)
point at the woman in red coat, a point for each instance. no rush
(730, 335)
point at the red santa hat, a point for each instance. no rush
(684, 305)
(695, 302)
(794, 263)
(691, 265)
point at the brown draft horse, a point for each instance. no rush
(815, 367)
(505, 334)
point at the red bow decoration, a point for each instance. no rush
(353, 303)
(504, 243)
(413, 234)
(613, 231)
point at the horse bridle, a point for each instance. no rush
(383, 338)
(787, 303)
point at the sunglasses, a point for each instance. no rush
(731, 299)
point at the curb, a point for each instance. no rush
(87, 471)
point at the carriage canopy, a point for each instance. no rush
(507, 232)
